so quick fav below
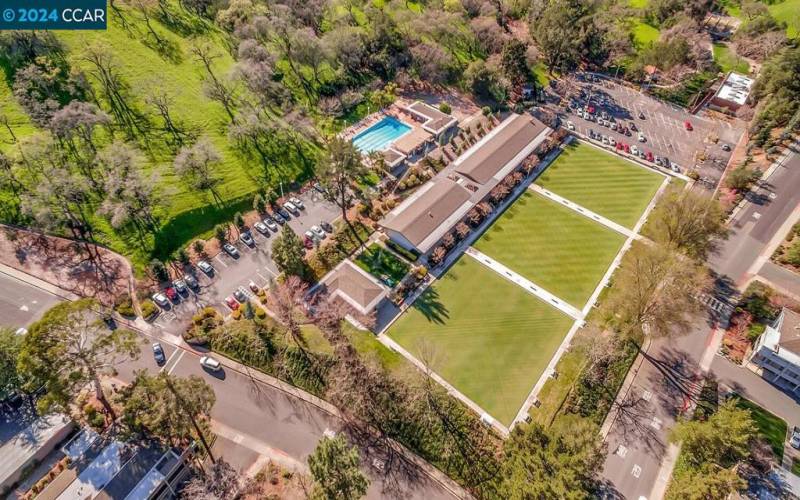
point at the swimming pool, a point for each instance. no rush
(380, 135)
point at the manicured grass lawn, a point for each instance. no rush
(485, 335)
(788, 11)
(638, 4)
(644, 34)
(606, 184)
(728, 60)
(565, 253)
(770, 426)
(380, 262)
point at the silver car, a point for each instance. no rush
(296, 202)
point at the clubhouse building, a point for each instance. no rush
(421, 220)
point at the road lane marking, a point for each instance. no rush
(636, 471)
(175, 364)
(176, 352)
(622, 451)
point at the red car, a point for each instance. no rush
(627, 148)
(232, 303)
(688, 126)
(590, 109)
(649, 156)
(171, 293)
(308, 243)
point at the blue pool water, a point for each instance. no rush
(380, 135)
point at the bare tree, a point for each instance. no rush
(196, 164)
(215, 88)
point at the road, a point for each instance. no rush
(258, 417)
(20, 303)
(755, 225)
(639, 436)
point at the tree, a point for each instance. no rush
(219, 482)
(741, 178)
(687, 221)
(196, 164)
(556, 31)
(334, 466)
(653, 293)
(709, 481)
(287, 252)
(560, 462)
(71, 347)
(213, 87)
(514, 62)
(724, 439)
(10, 379)
(168, 408)
(486, 82)
(338, 172)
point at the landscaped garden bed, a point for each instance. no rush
(383, 264)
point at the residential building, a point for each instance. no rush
(777, 352)
(355, 288)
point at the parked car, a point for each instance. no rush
(327, 227)
(205, 267)
(296, 202)
(726, 147)
(270, 223)
(605, 140)
(633, 126)
(627, 148)
(279, 218)
(253, 286)
(794, 440)
(261, 228)
(231, 250)
(612, 141)
(634, 150)
(570, 125)
(614, 125)
(247, 238)
(641, 115)
(318, 232)
(160, 299)
(659, 161)
(318, 188)
(641, 137)
(231, 302)
(240, 294)
(158, 354)
(171, 293)
(191, 281)
(308, 242)
(313, 237)
(688, 125)
(180, 286)
(649, 156)
(291, 208)
(675, 167)
(284, 213)
(210, 363)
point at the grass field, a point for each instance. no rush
(728, 60)
(771, 427)
(789, 12)
(606, 184)
(644, 34)
(483, 334)
(563, 252)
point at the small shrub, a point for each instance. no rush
(97, 421)
(261, 313)
(149, 309)
(236, 314)
(445, 108)
(124, 306)
(89, 410)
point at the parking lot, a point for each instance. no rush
(253, 264)
(662, 124)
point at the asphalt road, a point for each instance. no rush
(21, 303)
(638, 439)
(759, 220)
(259, 416)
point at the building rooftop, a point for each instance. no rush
(511, 139)
(435, 120)
(790, 331)
(735, 88)
(425, 216)
(356, 287)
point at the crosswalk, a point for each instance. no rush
(715, 304)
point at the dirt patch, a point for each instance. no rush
(83, 269)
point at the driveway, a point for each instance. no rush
(253, 264)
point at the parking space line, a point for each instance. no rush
(219, 259)
(176, 352)
(175, 364)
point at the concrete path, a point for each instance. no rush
(584, 211)
(525, 284)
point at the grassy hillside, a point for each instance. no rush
(168, 67)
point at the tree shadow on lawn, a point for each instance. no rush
(431, 307)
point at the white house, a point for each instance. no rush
(777, 352)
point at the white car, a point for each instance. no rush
(794, 440)
(641, 137)
(296, 202)
(270, 223)
(634, 150)
(311, 236)
(160, 299)
(612, 141)
(205, 267)
(570, 126)
(210, 363)
(261, 228)
(289, 206)
(605, 140)
(318, 232)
